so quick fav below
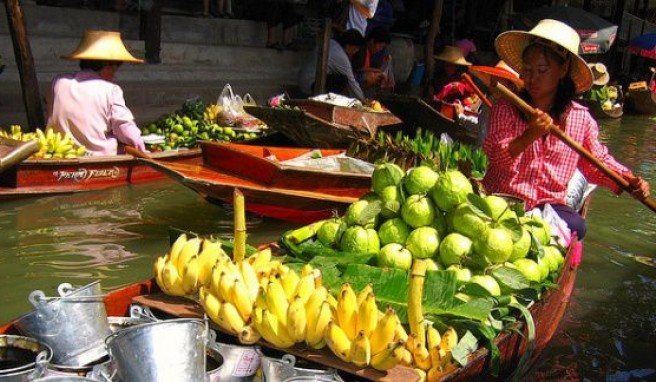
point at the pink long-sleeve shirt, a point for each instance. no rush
(93, 111)
(540, 173)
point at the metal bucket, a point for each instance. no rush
(282, 369)
(74, 325)
(172, 350)
(240, 363)
(100, 370)
(18, 353)
(68, 378)
(24, 373)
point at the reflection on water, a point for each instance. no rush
(110, 235)
(609, 330)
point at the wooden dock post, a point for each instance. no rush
(322, 57)
(25, 64)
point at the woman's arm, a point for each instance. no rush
(122, 124)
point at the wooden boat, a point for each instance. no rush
(430, 115)
(599, 113)
(40, 177)
(272, 189)
(547, 313)
(318, 124)
(13, 152)
(641, 101)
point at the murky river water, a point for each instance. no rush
(114, 235)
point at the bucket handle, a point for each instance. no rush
(41, 365)
(64, 289)
(143, 312)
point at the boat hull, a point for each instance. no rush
(321, 125)
(599, 113)
(416, 112)
(641, 102)
(43, 177)
(271, 189)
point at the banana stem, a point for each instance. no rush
(239, 250)
(305, 233)
(415, 294)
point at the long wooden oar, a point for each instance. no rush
(477, 90)
(520, 103)
(136, 153)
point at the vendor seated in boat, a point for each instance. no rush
(87, 105)
(488, 75)
(606, 96)
(448, 85)
(526, 161)
(374, 67)
(340, 77)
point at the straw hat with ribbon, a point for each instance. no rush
(599, 74)
(453, 55)
(553, 34)
(500, 71)
(102, 45)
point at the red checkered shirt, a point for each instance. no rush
(540, 173)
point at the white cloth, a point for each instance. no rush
(356, 20)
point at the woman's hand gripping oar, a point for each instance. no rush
(632, 187)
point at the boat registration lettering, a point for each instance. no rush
(248, 364)
(83, 174)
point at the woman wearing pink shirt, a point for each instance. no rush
(525, 160)
(87, 104)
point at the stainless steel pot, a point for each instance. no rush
(103, 369)
(240, 363)
(170, 351)
(74, 325)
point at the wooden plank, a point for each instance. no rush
(185, 308)
(25, 63)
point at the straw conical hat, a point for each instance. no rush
(452, 55)
(599, 73)
(554, 34)
(102, 45)
(500, 70)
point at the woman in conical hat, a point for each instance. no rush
(448, 84)
(87, 104)
(524, 159)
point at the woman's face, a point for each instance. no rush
(451, 69)
(541, 72)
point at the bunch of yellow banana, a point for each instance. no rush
(187, 266)
(236, 289)
(292, 308)
(51, 144)
(360, 334)
(430, 352)
(16, 134)
(212, 113)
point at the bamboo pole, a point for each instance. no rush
(239, 251)
(25, 64)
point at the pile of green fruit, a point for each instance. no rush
(409, 152)
(193, 122)
(434, 215)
